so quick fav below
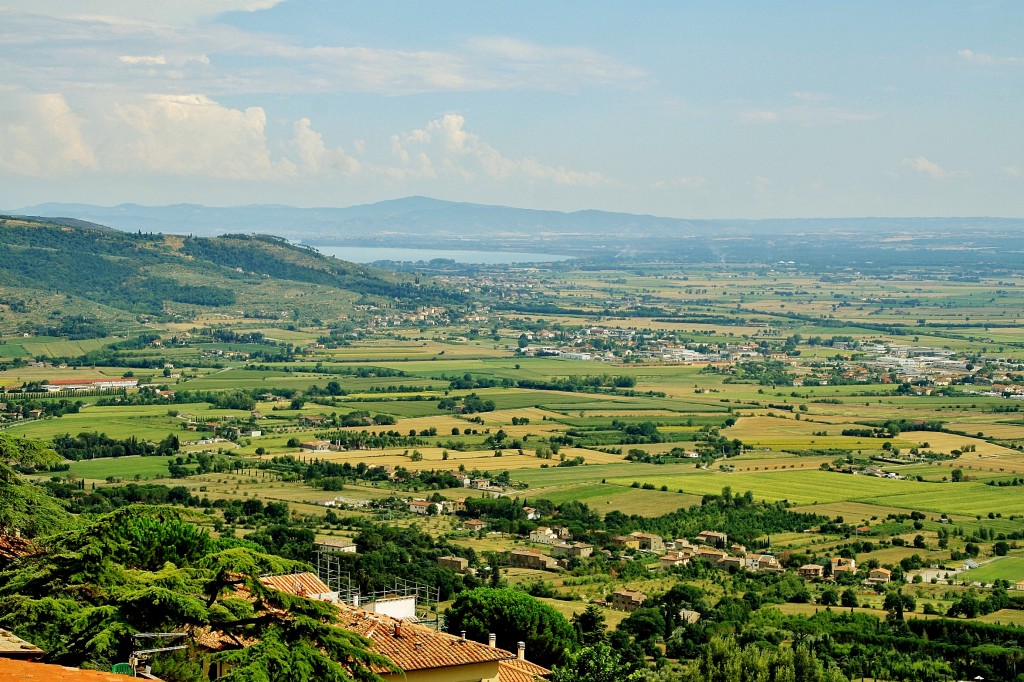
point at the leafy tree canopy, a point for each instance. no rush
(514, 617)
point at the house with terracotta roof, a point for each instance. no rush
(627, 600)
(423, 507)
(302, 584)
(522, 557)
(12, 547)
(420, 653)
(12, 646)
(879, 576)
(453, 563)
(811, 571)
(474, 525)
(673, 559)
(649, 541)
(713, 538)
(626, 542)
(11, 669)
(841, 565)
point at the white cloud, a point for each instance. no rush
(1014, 171)
(175, 11)
(143, 59)
(196, 136)
(811, 96)
(40, 135)
(185, 135)
(695, 182)
(981, 58)
(521, 64)
(930, 168)
(444, 146)
(315, 158)
(121, 45)
(807, 116)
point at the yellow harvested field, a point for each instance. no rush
(994, 430)
(946, 442)
(482, 460)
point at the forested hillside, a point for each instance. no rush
(125, 274)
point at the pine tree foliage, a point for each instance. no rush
(148, 569)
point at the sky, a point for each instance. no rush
(680, 108)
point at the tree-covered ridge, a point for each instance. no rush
(272, 256)
(140, 273)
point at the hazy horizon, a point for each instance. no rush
(685, 110)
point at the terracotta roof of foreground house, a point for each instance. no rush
(416, 647)
(300, 584)
(12, 547)
(12, 646)
(516, 670)
(45, 672)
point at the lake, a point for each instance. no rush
(370, 254)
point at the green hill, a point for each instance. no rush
(63, 279)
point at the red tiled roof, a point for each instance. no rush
(301, 584)
(520, 671)
(45, 672)
(12, 646)
(416, 647)
(12, 547)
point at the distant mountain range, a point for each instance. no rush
(431, 223)
(425, 216)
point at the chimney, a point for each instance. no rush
(522, 651)
(492, 640)
(355, 600)
(463, 635)
(398, 628)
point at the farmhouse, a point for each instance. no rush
(316, 445)
(650, 541)
(454, 563)
(531, 558)
(709, 537)
(423, 507)
(626, 542)
(811, 571)
(673, 559)
(842, 565)
(572, 549)
(689, 616)
(474, 525)
(879, 576)
(335, 546)
(543, 535)
(712, 555)
(762, 562)
(627, 600)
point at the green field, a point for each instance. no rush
(125, 468)
(1006, 568)
(12, 350)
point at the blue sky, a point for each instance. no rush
(685, 109)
